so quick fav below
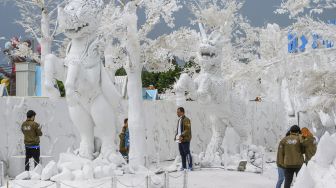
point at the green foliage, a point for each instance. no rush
(161, 80)
(61, 88)
(121, 72)
(192, 64)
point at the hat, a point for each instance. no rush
(295, 129)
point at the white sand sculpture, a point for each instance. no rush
(91, 95)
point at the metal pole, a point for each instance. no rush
(158, 159)
(262, 164)
(185, 179)
(147, 181)
(2, 175)
(166, 184)
(225, 154)
(146, 161)
(58, 184)
(114, 181)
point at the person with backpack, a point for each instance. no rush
(309, 144)
(290, 154)
(281, 169)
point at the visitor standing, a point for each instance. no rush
(309, 144)
(281, 169)
(290, 154)
(124, 140)
(183, 138)
(32, 132)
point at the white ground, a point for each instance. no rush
(207, 178)
(221, 179)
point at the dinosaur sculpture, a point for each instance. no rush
(208, 89)
(90, 93)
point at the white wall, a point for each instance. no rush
(265, 122)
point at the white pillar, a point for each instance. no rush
(25, 79)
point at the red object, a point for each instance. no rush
(38, 49)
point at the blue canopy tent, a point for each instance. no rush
(150, 94)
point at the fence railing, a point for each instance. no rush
(113, 182)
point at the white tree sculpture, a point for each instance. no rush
(308, 77)
(216, 55)
(270, 73)
(120, 26)
(38, 18)
(296, 8)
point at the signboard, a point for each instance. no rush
(332, 22)
(317, 42)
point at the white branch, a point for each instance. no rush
(31, 30)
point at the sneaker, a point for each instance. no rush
(182, 169)
(189, 169)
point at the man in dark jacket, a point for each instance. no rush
(281, 170)
(290, 154)
(32, 132)
(183, 138)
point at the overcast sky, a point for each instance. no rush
(259, 12)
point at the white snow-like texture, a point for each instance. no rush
(177, 164)
(35, 174)
(60, 133)
(321, 169)
(92, 96)
(49, 171)
(72, 167)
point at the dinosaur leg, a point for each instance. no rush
(85, 125)
(104, 118)
(218, 133)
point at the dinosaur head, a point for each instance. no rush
(79, 18)
(210, 50)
